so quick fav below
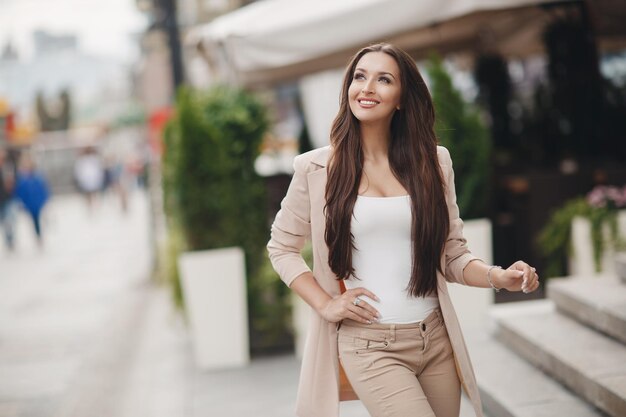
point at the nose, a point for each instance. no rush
(367, 88)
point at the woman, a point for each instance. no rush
(380, 208)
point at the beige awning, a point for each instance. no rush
(277, 40)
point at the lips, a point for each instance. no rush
(367, 102)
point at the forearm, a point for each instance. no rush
(475, 274)
(519, 276)
(307, 287)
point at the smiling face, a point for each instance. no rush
(375, 91)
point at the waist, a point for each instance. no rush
(396, 306)
(425, 326)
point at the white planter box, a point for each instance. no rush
(471, 303)
(214, 288)
(581, 263)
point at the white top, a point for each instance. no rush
(382, 259)
(89, 172)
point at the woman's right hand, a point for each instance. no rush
(344, 307)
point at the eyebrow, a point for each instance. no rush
(380, 73)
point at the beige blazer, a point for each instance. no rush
(300, 218)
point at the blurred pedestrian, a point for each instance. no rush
(116, 180)
(379, 205)
(89, 174)
(7, 203)
(137, 167)
(32, 190)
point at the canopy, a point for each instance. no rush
(274, 40)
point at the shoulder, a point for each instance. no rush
(312, 160)
(444, 155)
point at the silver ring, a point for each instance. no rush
(356, 301)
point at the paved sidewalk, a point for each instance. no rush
(66, 310)
(84, 333)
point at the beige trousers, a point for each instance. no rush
(401, 370)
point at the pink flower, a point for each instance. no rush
(602, 195)
(596, 197)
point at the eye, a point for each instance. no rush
(358, 76)
(385, 80)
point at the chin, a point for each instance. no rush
(369, 118)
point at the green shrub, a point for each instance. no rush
(213, 192)
(459, 128)
(210, 183)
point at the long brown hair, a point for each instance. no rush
(413, 161)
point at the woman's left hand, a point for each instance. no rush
(518, 277)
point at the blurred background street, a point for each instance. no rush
(146, 145)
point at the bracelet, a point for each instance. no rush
(489, 277)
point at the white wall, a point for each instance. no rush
(320, 101)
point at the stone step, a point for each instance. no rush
(587, 362)
(599, 302)
(511, 387)
(620, 266)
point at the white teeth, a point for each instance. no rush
(368, 102)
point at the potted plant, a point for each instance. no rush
(216, 201)
(583, 229)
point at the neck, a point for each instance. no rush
(375, 141)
